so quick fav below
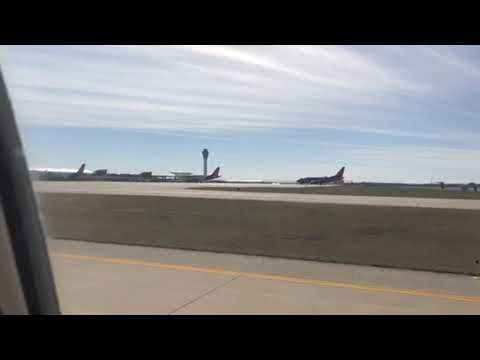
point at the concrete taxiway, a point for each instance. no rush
(182, 190)
(97, 278)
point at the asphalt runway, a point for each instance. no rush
(94, 278)
(181, 190)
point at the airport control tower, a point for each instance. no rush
(205, 158)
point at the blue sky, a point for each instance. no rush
(387, 113)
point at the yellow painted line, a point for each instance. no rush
(461, 298)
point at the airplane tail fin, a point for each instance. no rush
(81, 170)
(78, 173)
(340, 172)
(215, 174)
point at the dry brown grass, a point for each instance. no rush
(427, 239)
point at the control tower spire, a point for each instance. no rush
(205, 158)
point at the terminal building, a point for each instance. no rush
(146, 176)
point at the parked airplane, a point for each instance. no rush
(57, 174)
(335, 179)
(188, 177)
(104, 175)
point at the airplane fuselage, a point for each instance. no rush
(52, 176)
(323, 180)
(318, 180)
(198, 178)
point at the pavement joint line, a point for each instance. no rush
(203, 295)
(252, 275)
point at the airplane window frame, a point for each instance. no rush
(24, 229)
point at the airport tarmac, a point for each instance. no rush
(182, 190)
(95, 278)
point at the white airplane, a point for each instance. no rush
(189, 177)
(57, 174)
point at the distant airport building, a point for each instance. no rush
(181, 173)
(190, 177)
(103, 175)
(100, 172)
